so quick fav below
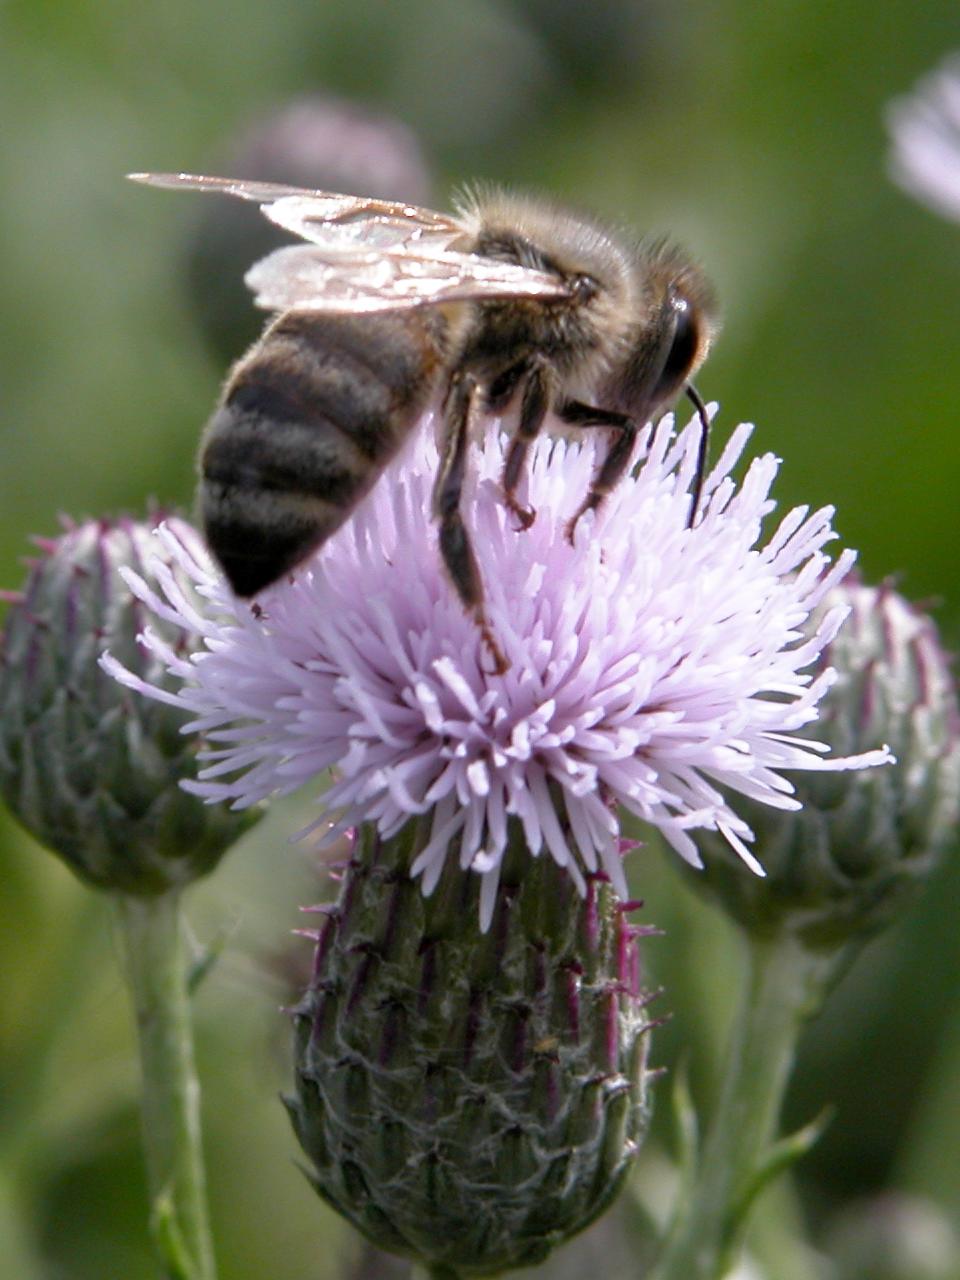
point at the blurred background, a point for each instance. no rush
(753, 134)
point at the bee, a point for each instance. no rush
(511, 304)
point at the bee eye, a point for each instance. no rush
(584, 289)
(683, 350)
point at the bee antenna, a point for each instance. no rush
(693, 395)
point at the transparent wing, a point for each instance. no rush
(364, 254)
(325, 216)
(306, 277)
(259, 192)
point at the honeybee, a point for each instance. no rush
(511, 303)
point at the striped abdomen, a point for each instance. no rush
(307, 422)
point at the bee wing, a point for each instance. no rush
(259, 192)
(364, 254)
(311, 278)
(323, 217)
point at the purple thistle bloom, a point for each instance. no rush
(653, 667)
(925, 129)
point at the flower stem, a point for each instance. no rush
(155, 963)
(785, 985)
(21, 1253)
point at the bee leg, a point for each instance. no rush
(455, 546)
(533, 410)
(614, 465)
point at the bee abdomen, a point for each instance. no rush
(307, 423)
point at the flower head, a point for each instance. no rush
(925, 128)
(652, 666)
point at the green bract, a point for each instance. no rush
(470, 1099)
(91, 769)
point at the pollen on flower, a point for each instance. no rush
(653, 668)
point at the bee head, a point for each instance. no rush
(673, 326)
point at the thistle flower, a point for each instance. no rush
(652, 666)
(925, 129)
(470, 1059)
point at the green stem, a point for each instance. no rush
(152, 934)
(21, 1252)
(785, 986)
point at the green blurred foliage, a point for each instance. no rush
(754, 134)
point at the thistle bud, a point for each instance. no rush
(91, 770)
(864, 842)
(470, 1099)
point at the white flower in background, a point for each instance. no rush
(653, 667)
(925, 129)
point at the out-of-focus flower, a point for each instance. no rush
(332, 143)
(865, 843)
(316, 141)
(925, 129)
(652, 666)
(90, 771)
(895, 1237)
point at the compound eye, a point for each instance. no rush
(584, 289)
(683, 350)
